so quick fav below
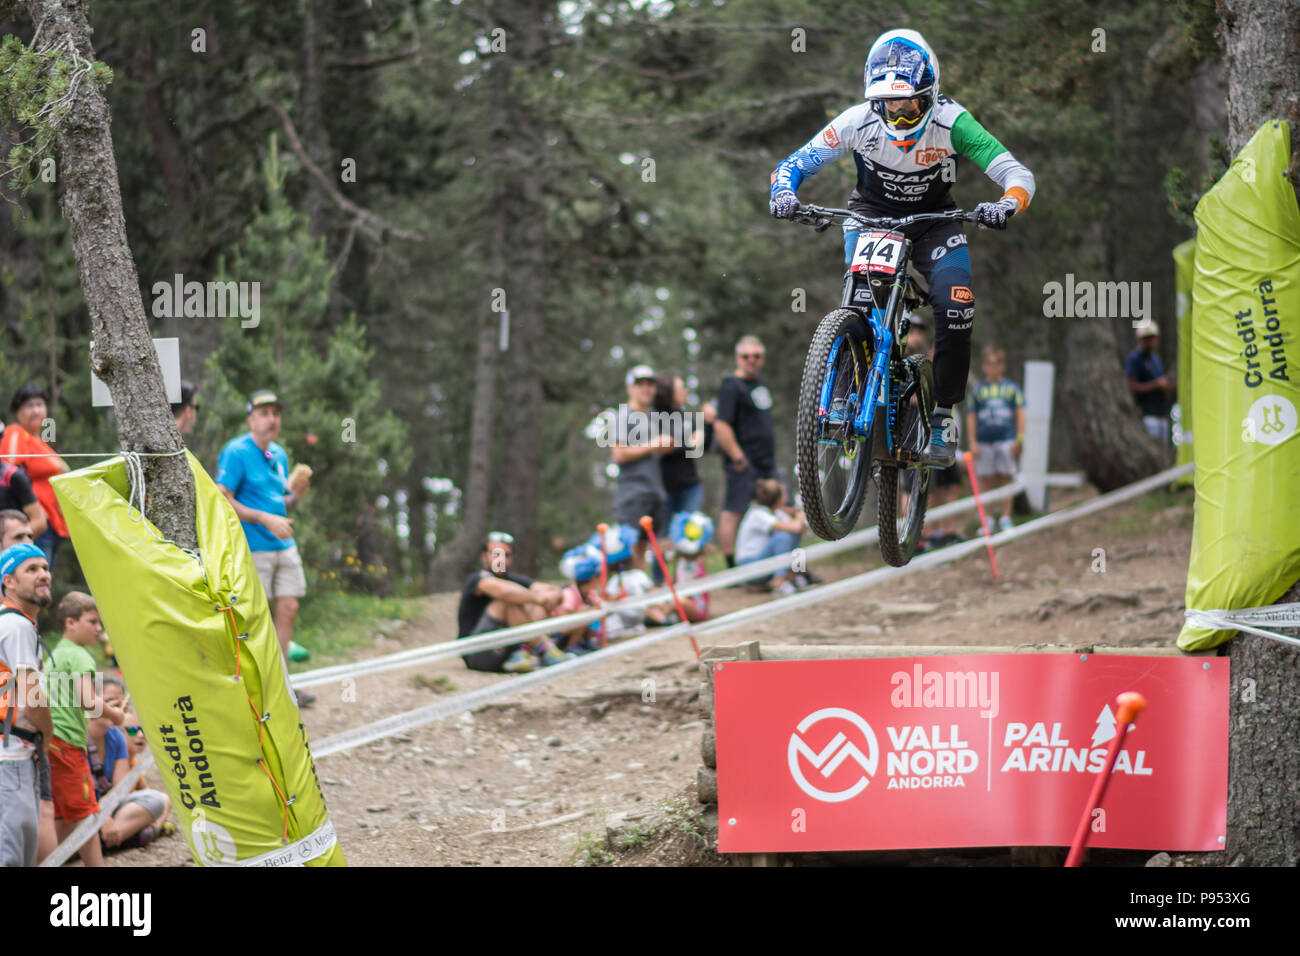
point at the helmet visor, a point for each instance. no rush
(903, 113)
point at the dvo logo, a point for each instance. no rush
(852, 734)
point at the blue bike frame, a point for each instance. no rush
(880, 387)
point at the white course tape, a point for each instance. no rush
(1248, 619)
(89, 827)
(504, 637)
(367, 733)
(317, 843)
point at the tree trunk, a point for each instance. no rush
(1105, 426)
(123, 354)
(454, 558)
(523, 274)
(1262, 56)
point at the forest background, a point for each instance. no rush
(396, 175)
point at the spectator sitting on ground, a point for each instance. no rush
(495, 597)
(690, 532)
(582, 566)
(186, 411)
(764, 534)
(624, 580)
(138, 818)
(73, 701)
(22, 444)
(995, 418)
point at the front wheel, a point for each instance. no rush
(834, 462)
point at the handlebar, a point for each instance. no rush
(823, 217)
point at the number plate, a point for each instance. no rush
(877, 252)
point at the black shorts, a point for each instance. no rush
(740, 486)
(945, 477)
(492, 658)
(631, 511)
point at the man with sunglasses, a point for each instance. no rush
(253, 473)
(744, 434)
(905, 139)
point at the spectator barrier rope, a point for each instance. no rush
(514, 635)
(367, 733)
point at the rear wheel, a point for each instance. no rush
(834, 462)
(903, 491)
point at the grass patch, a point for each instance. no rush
(331, 624)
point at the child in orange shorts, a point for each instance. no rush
(73, 695)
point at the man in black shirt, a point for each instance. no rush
(494, 597)
(16, 494)
(743, 430)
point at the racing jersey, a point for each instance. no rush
(899, 177)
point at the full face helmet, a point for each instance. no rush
(901, 81)
(690, 532)
(619, 540)
(581, 563)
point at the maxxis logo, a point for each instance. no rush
(840, 748)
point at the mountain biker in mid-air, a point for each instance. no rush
(905, 141)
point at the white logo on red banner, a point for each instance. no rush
(840, 748)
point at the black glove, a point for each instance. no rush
(784, 205)
(994, 215)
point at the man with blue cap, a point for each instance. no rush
(24, 711)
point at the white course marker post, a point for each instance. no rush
(1040, 378)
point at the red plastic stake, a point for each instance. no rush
(979, 506)
(1130, 704)
(601, 529)
(648, 525)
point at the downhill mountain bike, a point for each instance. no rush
(864, 408)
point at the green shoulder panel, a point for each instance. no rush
(971, 139)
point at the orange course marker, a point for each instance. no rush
(1130, 704)
(979, 506)
(648, 525)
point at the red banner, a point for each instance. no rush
(971, 750)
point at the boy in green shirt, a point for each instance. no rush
(73, 696)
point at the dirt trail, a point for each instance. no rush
(618, 744)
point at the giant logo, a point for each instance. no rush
(842, 747)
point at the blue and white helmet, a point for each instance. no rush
(619, 541)
(901, 66)
(690, 532)
(581, 563)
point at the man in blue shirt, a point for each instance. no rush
(253, 472)
(1147, 382)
